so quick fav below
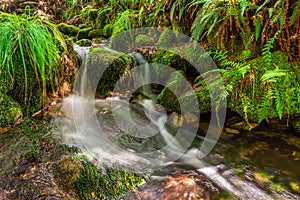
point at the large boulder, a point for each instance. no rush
(118, 64)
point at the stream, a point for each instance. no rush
(134, 134)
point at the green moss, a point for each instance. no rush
(83, 33)
(295, 187)
(84, 42)
(110, 185)
(9, 109)
(167, 39)
(116, 182)
(171, 59)
(107, 30)
(87, 183)
(118, 64)
(66, 172)
(66, 29)
(96, 33)
(144, 40)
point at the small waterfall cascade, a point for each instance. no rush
(83, 54)
(107, 129)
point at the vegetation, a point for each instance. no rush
(30, 55)
(90, 184)
(255, 45)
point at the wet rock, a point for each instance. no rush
(180, 186)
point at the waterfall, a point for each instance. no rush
(83, 54)
(101, 123)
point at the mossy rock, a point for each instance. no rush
(193, 102)
(84, 33)
(96, 33)
(144, 40)
(90, 184)
(118, 64)
(177, 62)
(66, 172)
(167, 39)
(10, 110)
(69, 30)
(84, 43)
(107, 30)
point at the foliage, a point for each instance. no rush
(260, 89)
(27, 46)
(251, 22)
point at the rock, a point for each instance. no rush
(96, 33)
(66, 29)
(174, 121)
(83, 33)
(10, 110)
(167, 39)
(144, 40)
(179, 186)
(84, 43)
(118, 64)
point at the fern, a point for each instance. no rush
(278, 102)
(264, 108)
(257, 28)
(266, 51)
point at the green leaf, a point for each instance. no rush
(257, 28)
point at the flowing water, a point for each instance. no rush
(133, 134)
